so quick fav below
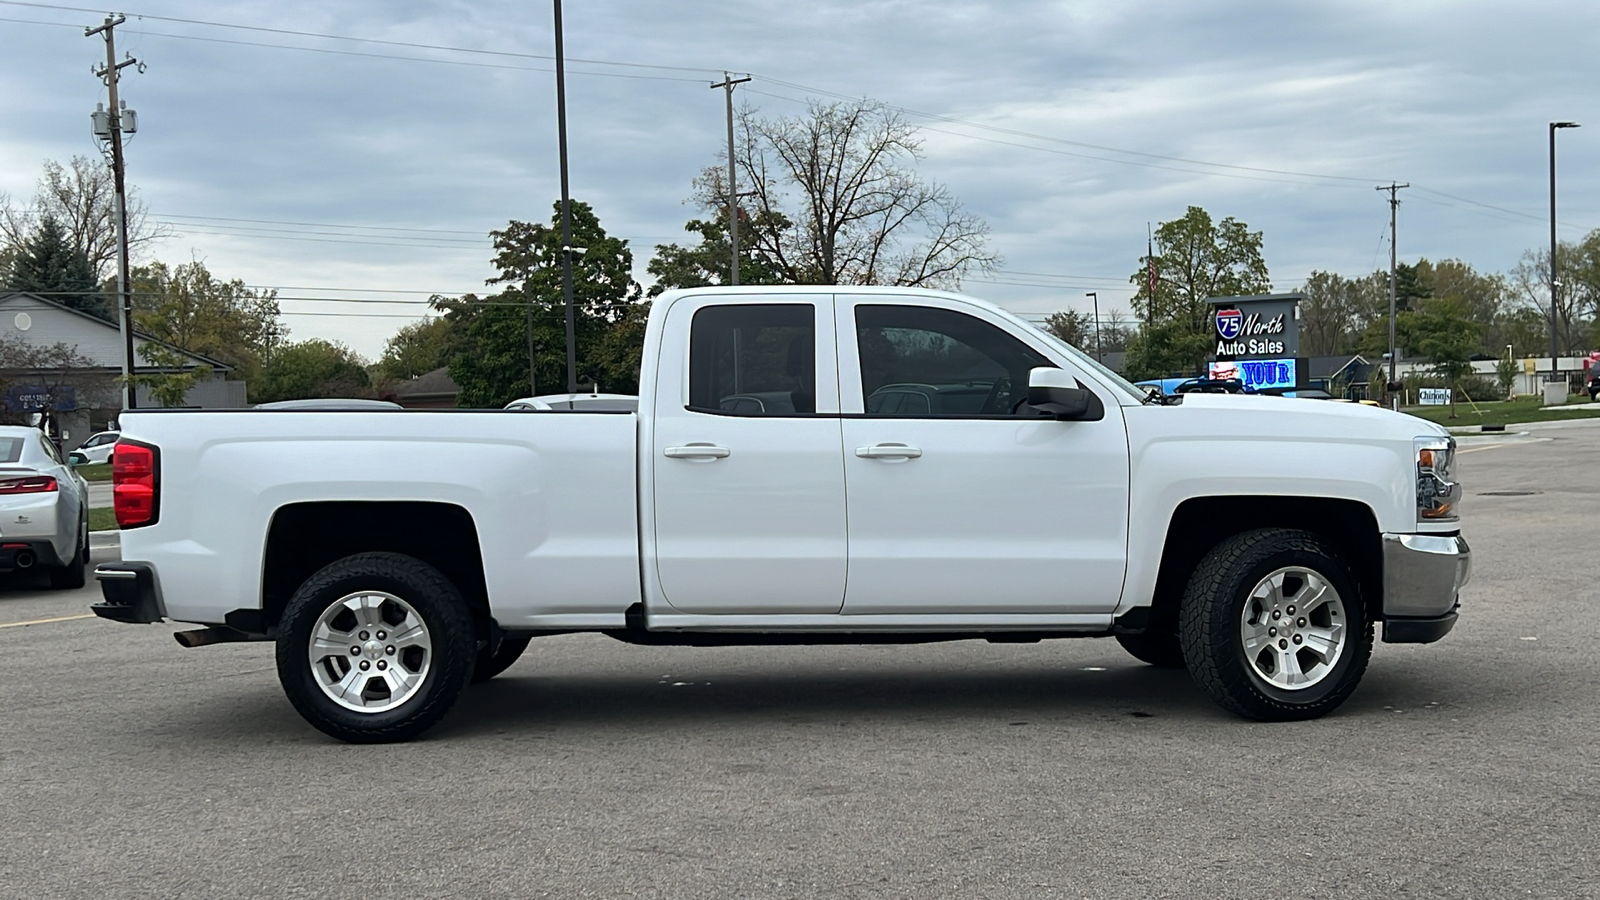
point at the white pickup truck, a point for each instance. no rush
(806, 465)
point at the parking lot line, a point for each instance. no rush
(45, 621)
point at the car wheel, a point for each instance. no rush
(1158, 647)
(1273, 627)
(71, 575)
(491, 664)
(375, 648)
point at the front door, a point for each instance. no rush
(748, 470)
(959, 502)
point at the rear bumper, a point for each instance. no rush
(1422, 578)
(129, 589)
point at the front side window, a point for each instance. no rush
(924, 361)
(755, 359)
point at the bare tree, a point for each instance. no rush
(834, 200)
(55, 375)
(82, 198)
(1530, 285)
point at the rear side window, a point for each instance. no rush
(10, 449)
(755, 359)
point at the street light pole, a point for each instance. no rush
(566, 209)
(1555, 283)
(1098, 356)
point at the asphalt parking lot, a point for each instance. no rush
(130, 767)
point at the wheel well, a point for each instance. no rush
(1201, 523)
(304, 537)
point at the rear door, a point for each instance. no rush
(972, 506)
(748, 469)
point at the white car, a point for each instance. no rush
(44, 508)
(593, 402)
(97, 449)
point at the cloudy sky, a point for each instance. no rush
(315, 148)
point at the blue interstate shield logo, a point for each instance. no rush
(1229, 322)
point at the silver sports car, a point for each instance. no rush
(44, 508)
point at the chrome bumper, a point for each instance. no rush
(1422, 576)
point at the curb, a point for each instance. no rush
(105, 540)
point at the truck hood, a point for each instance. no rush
(1247, 416)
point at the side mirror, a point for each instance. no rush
(1056, 393)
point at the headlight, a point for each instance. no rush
(1438, 497)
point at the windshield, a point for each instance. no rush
(1079, 356)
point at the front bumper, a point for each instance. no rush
(1422, 577)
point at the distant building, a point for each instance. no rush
(435, 390)
(81, 386)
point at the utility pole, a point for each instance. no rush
(1098, 356)
(1394, 353)
(1555, 283)
(727, 83)
(566, 211)
(119, 119)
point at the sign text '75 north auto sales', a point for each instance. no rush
(1243, 335)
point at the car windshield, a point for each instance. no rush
(1124, 384)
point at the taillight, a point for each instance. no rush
(134, 487)
(33, 484)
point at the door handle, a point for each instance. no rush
(697, 450)
(888, 451)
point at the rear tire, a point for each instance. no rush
(491, 664)
(71, 576)
(375, 648)
(1273, 627)
(1158, 647)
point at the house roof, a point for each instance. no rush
(435, 385)
(7, 297)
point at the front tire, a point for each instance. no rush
(375, 648)
(1273, 627)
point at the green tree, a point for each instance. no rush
(707, 263)
(836, 200)
(1195, 259)
(1442, 331)
(493, 337)
(1337, 311)
(312, 369)
(191, 309)
(175, 375)
(416, 349)
(47, 264)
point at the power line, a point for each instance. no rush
(364, 40)
(325, 224)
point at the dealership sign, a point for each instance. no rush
(1258, 374)
(1256, 327)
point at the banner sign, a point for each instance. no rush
(34, 397)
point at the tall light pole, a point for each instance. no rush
(1555, 282)
(566, 209)
(1098, 356)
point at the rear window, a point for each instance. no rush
(10, 449)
